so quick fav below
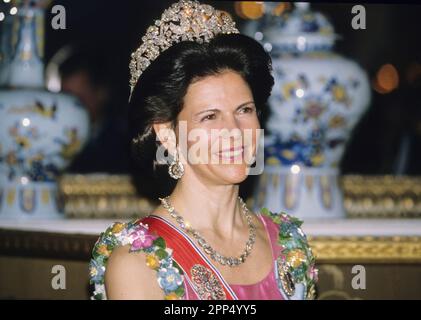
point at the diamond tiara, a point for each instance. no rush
(186, 20)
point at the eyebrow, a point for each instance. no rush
(214, 109)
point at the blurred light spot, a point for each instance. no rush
(295, 169)
(301, 43)
(24, 180)
(26, 122)
(267, 46)
(258, 36)
(6, 1)
(387, 79)
(249, 9)
(1, 16)
(13, 10)
(299, 93)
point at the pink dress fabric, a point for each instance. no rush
(267, 288)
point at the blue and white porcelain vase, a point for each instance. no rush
(317, 100)
(40, 131)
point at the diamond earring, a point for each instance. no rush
(176, 168)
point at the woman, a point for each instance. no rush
(206, 81)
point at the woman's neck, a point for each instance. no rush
(212, 208)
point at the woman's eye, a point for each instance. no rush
(247, 110)
(208, 117)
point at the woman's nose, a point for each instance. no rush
(231, 130)
(231, 122)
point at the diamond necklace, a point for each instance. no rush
(223, 260)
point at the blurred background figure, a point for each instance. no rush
(83, 72)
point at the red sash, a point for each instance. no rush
(186, 253)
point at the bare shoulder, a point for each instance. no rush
(128, 277)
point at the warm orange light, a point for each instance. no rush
(387, 79)
(237, 8)
(249, 9)
(281, 8)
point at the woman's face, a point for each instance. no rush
(219, 114)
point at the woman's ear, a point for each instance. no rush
(166, 135)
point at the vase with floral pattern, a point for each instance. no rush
(318, 98)
(40, 131)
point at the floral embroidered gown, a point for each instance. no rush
(293, 274)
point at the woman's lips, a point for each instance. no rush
(231, 154)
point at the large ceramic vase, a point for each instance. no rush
(317, 100)
(40, 131)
